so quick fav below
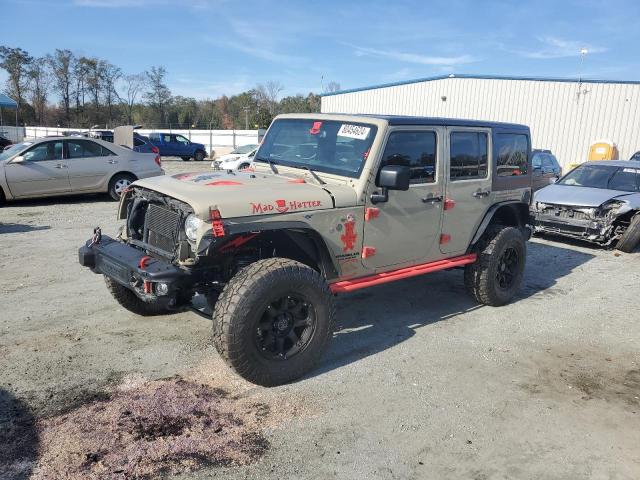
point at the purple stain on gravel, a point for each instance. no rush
(167, 426)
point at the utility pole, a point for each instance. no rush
(246, 117)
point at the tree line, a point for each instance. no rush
(69, 90)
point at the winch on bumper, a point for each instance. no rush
(151, 279)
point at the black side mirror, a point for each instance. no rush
(392, 177)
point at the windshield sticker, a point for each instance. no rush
(354, 131)
(630, 170)
(316, 128)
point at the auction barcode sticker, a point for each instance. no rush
(354, 131)
(630, 170)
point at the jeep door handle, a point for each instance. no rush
(59, 166)
(481, 194)
(112, 162)
(431, 200)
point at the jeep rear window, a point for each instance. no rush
(328, 146)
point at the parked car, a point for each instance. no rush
(336, 203)
(635, 157)
(597, 201)
(239, 159)
(62, 166)
(142, 144)
(4, 142)
(174, 145)
(546, 168)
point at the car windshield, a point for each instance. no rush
(14, 149)
(608, 177)
(327, 146)
(244, 149)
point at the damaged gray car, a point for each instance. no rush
(598, 202)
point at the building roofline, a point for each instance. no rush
(479, 77)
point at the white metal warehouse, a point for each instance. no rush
(565, 115)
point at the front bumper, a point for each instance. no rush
(583, 229)
(151, 279)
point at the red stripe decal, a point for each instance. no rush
(408, 272)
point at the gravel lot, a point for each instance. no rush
(420, 382)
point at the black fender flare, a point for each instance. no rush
(515, 205)
(305, 237)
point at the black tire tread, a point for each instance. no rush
(477, 279)
(234, 305)
(631, 237)
(131, 302)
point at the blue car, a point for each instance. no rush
(175, 145)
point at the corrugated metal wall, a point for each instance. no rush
(560, 118)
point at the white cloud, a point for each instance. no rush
(554, 47)
(414, 57)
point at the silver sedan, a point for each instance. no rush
(62, 166)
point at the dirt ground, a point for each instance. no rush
(419, 382)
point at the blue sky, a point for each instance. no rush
(214, 47)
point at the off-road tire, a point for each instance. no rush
(131, 302)
(3, 199)
(243, 302)
(481, 277)
(631, 237)
(113, 184)
(185, 159)
(199, 156)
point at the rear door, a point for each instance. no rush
(167, 144)
(183, 146)
(468, 188)
(406, 227)
(43, 171)
(90, 165)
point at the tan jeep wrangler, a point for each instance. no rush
(331, 204)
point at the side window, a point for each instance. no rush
(181, 139)
(85, 148)
(468, 155)
(44, 151)
(512, 154)
(416, 150)
(536, 161)
(137, 142)
(166, 138)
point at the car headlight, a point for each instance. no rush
(191, 225)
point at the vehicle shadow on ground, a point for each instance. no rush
(21, 228)
(381, 317)
(18, 438)
(62, 200)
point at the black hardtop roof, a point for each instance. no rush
(454, 122)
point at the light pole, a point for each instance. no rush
(246, 117)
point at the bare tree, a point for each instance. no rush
(110, 76)
(39, 85)
(133, 86)
(16, 62)
(62, 65)
(158, 96)
(332, 87)
(268, 95)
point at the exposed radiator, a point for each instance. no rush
(161, 228)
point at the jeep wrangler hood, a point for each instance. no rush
(242, 194)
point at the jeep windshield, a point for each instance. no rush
(329, 146)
